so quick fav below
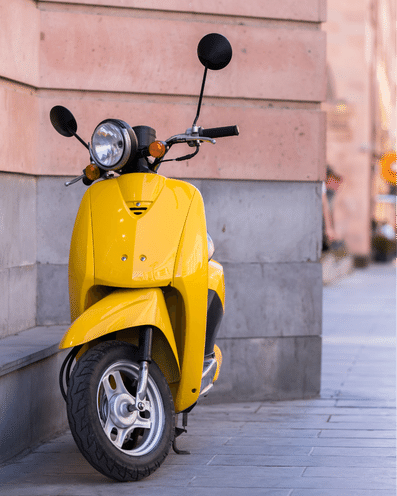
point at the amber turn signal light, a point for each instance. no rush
(157, 149)
(92, 172)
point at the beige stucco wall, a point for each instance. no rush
(138, 62)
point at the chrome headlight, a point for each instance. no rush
(211, 247)
(113, 144)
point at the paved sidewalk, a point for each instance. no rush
(341, 444)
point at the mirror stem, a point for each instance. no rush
(81, 141)
(201, 97)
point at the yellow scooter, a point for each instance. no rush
(146, 297)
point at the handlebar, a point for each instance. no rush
(193, 136)
(219, 132)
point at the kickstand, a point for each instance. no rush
(178, 432)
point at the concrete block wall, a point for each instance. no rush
(18, 271)
(57, 207)
(32, 408)
(267, 236)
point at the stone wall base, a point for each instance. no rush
(32, 409)
(260, 369)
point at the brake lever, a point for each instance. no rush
(68, 183)
(190, 139)
(193, 139)
(201, 139)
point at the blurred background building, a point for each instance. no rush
(361, 116)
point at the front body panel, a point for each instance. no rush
(81, 260)
(128, 309)
(137, 248)
(143, 231)
(191, 280)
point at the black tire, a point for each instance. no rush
(100, 420)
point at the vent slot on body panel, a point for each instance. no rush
(138, 210)
(138, 207)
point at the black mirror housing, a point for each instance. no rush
(214, 51)
(63, 121)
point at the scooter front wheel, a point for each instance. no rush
(117, 439)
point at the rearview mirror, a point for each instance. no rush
(214, 51)
(63, 121)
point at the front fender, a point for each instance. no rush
(122, 309)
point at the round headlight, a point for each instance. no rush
(113, 144)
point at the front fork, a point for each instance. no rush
(145, 352)
(145, 358)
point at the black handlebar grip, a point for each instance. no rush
(219, 132)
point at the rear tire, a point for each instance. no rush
(119, 441)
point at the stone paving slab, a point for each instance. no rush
(360, 402)
(359, 434)
(353, 451)
(313, 442)
(318, 483)
(125, 490)
(352, 472)
(340, 444)
(301, 461)
(342, 492)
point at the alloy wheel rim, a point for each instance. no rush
(133, 432)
